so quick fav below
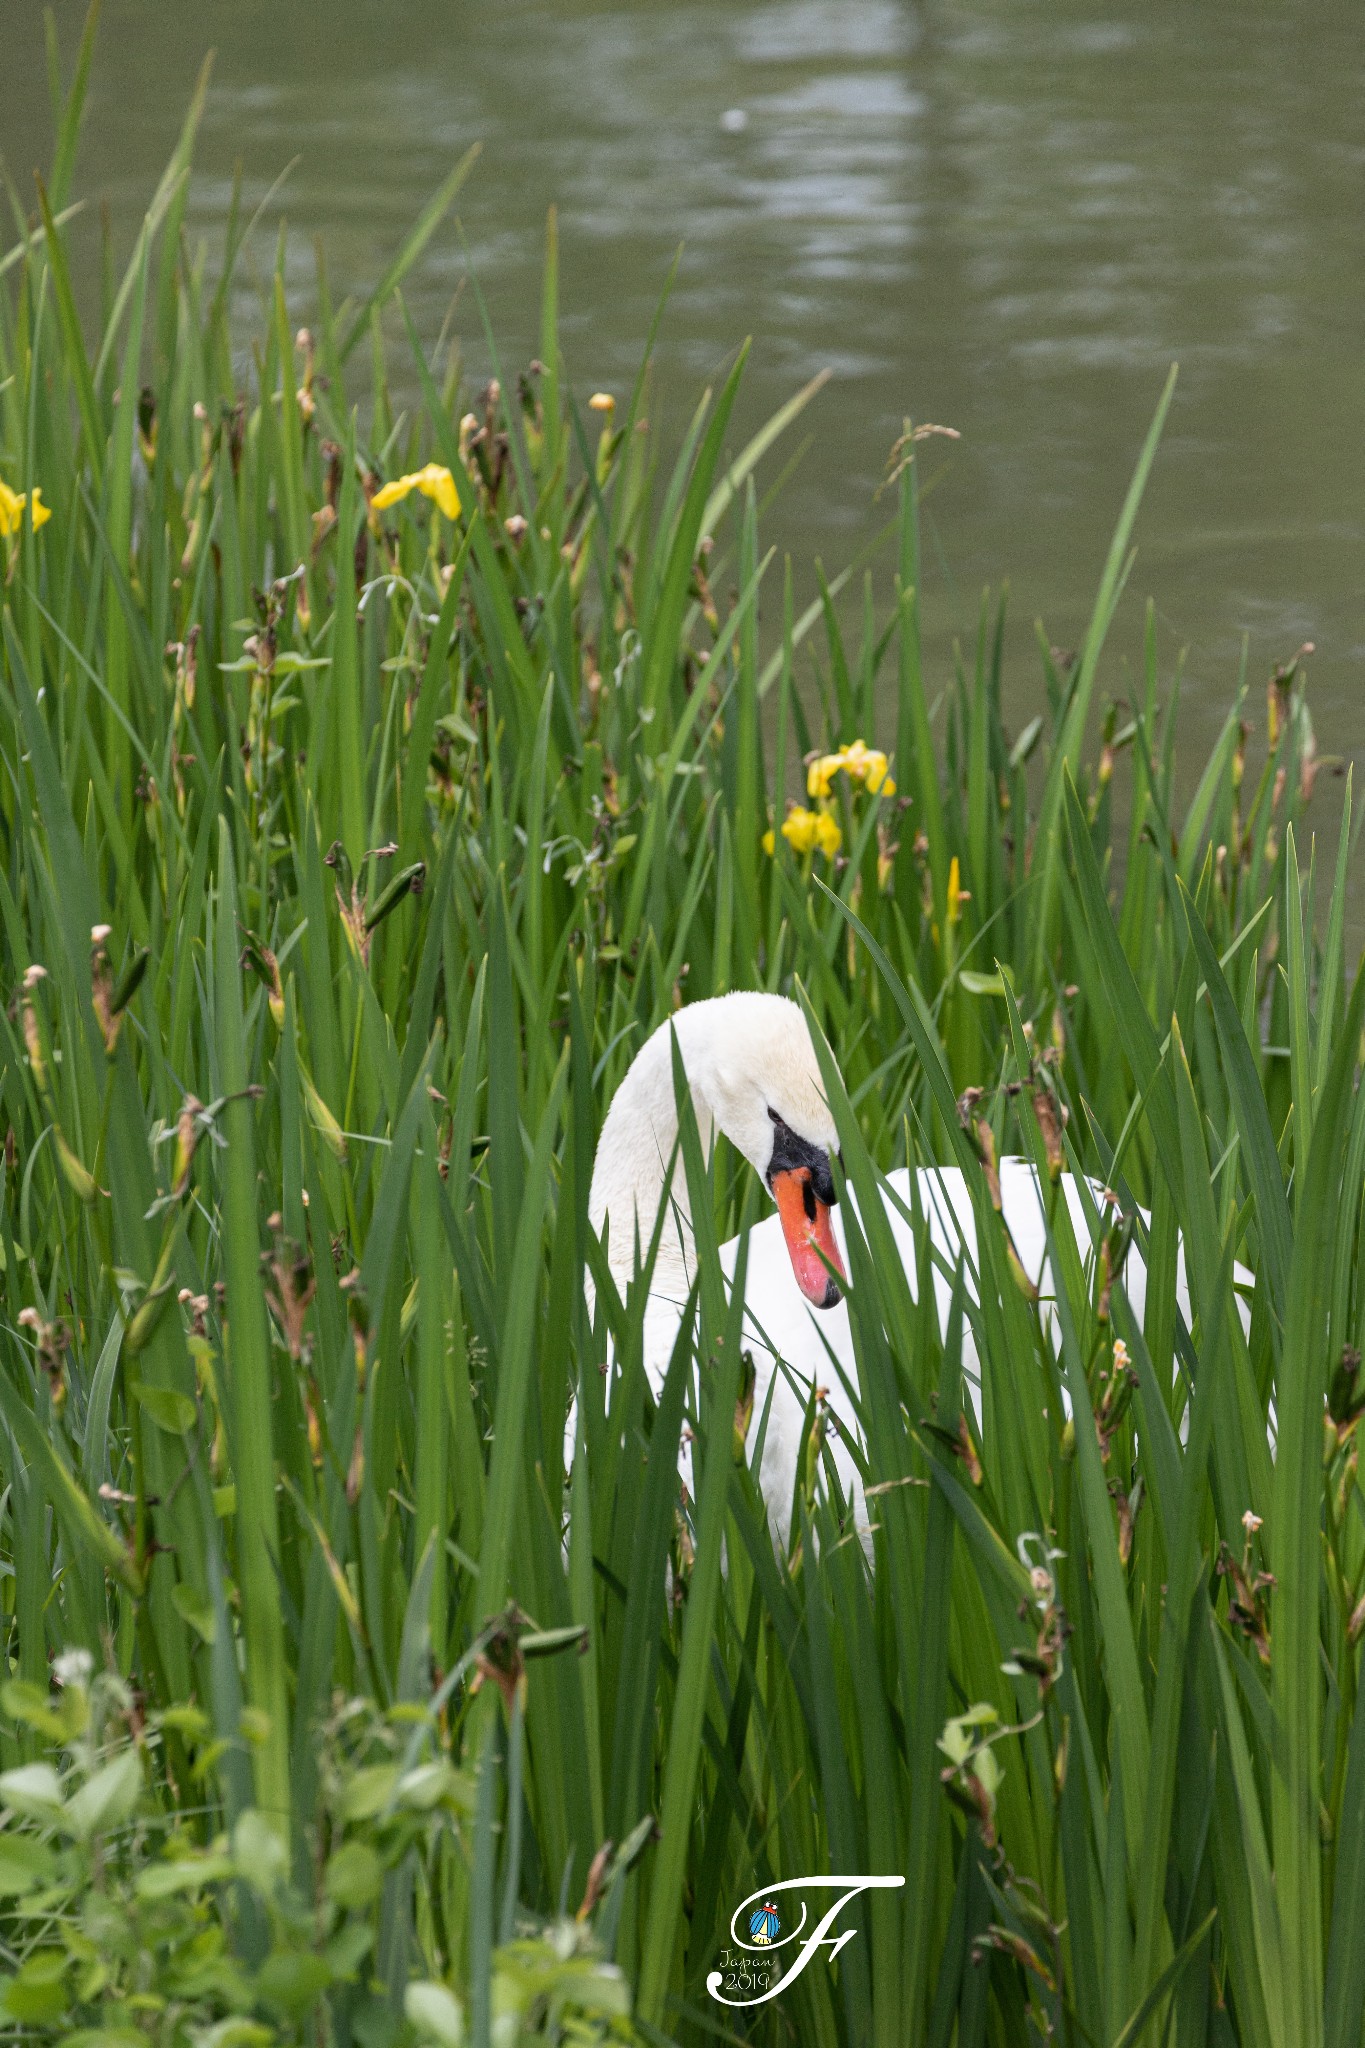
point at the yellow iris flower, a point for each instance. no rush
(806, 831)
(956, 892)
(433, 481)
(858, 761)
(12, 505)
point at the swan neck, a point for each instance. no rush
(635, 1173)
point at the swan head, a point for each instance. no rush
(755, 1067)
(752, 1072)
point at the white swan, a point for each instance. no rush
(752, 1073)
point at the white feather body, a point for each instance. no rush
(815, 1346)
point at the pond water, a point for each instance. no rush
(1008, 218)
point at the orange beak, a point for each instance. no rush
(806, 1227)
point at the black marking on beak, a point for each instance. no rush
(791, 1151)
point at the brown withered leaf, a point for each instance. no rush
(1049, 1124)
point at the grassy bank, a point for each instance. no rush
(353, 839)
